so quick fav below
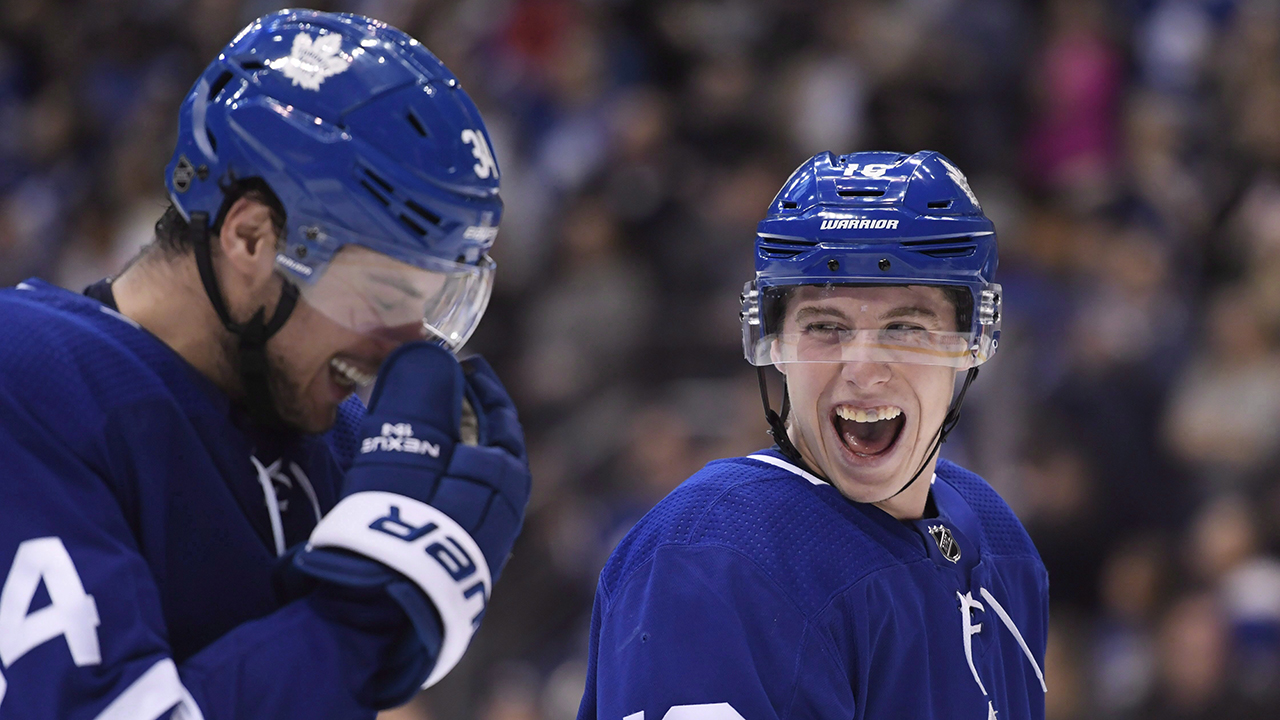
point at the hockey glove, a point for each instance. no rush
(440, 513)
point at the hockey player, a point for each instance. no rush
(846, 572)
(176, 541)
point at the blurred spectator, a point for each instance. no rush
(1194, 679)
(1124, 652)
(1224, 417)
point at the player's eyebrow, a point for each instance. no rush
(909, 311)
(820, 310)
(397, 283)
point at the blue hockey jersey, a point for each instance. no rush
(756, 590)
(141, 520)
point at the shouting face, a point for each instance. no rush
(867, 424)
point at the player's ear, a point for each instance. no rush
(247, 241)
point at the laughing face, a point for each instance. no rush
(868, 426)
(315, 361)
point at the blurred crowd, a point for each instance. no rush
(1128, 150)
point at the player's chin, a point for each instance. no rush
(317, 409)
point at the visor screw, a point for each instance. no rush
(311, 233)
(451, 83)
(300, 250)
(833, 265)
(202, 172)
(884, 264)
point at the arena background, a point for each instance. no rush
(1129, 152)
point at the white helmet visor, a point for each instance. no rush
(839, 323)
(368, 292)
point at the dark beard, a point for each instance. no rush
(286, 409)
(288, 396)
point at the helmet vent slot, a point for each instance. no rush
(429, 216)
(252, 65)
(951, 252)
(218, 84)
(943, 247)
(365, 184)
(788, 205)
(940, 204)
(412, 225)
(860, 193)
(781, 248)
(416, 122)
(381, 183)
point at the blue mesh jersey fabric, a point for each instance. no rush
(808, 538)
(1002, 532)
(754, 586)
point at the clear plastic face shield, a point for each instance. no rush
(370, 293)
(922, 324)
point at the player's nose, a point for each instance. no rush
(866, 374)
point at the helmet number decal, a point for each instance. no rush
(871, 170)
(485, 166)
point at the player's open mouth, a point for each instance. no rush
(869, 431)
(346, 375)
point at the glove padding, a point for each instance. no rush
(423, 513)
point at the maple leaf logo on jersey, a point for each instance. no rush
(310, 62)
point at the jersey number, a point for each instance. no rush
(70, 612)
(710, 711)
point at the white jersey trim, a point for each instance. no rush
(273, 503)
(152, 696)
(813, 479)
(1008, 622)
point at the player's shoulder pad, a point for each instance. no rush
(1002, 532)
(807, 538)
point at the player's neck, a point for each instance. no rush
(910, 504)
(163, 294)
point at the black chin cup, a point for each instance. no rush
(253, 335)
(778, 427)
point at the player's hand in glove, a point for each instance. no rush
(424, 515)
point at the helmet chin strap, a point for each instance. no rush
(778, 425)
(253, 335)
(948, 424)
(778, 428)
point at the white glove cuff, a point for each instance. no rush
(425, 545)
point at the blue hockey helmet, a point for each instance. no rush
(874, 218)
(367, 140)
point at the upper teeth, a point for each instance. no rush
(864, 415)
(351, 372)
